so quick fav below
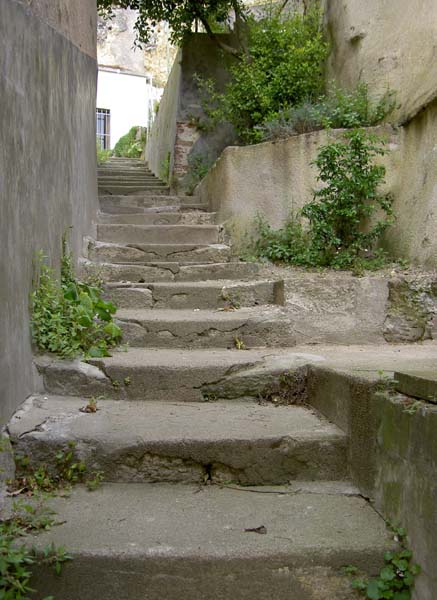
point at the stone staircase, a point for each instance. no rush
(210, 492)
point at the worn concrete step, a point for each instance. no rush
(252, 327)
(173, 217)
(168, 374)
(199, 294)
(168, 271)
(137, 203)
(244, 443)
(174, 542)
(159, 234)
(126, 190)
(146, 253)
(128, 179)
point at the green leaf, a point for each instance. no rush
(113, 330)
(373, 590)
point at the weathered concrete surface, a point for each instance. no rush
(197, 294)
(268, 326)
(131, 442)
(418, 384)
(273, 179)
(136, 203)
(140, 253)
(390, 46)
(47, 160)
(154, 234)
(195, 375)
(178, 542)
(160, 218)
(392, 452)
(162, 271)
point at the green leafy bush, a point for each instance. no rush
(198, 167)
(132, 144)
(341, 233)
(70, 317)
(283, 67)
(339, 109)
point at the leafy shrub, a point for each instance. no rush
(284, 66)
(340, 233)
(70, 317)
(340, 109)
(132, 144)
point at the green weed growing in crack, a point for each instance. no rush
(396, 579)
(16, 561)
(385, 383)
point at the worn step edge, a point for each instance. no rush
(165, 374)
(249, 327)
(186, 443)
(165, 541)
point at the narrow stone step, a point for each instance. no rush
(126, 190)
(159, 234)
(168, 374)
(253, 327)
(144, 253)
(168, 271)
(182, 542)
(200, 294)
(137, 203)
(159, 218)
(244, 443)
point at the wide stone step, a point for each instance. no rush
(169, 374)
(166, 271)
(244, 443)
(137, 203)
(159, 218)
(159, 234)
(200, 294)
(128, 179)
(251, 327)
(146, 253)
(182, 542)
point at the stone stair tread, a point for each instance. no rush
(201, 315)
(184, 442)
(182, 541)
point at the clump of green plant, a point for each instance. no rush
(132, 144)
(164, 171)
(282, 67)
(340, 233)
(102, 155)
(396, 578)
(198, 167)
(69, 317)
(17, 561)
(340, 109)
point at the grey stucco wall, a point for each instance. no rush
(47, 165)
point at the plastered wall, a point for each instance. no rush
(47, 160)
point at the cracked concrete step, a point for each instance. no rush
(137, 203)
(159, 234)
(168, 271)
(159, 218)
(169, 374)
(199, 294)
(177, 542)
(244, 443)
(254, 327)
(155, 190)
(143, 253)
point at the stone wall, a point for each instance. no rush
(47, 159)
(182, 104)
(392, 454)
(274, 179)
(387, 44)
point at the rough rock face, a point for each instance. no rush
(412, 309)
(115, 46)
